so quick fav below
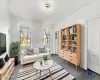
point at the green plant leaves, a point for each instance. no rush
(14, 48)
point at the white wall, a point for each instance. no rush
(37, 35)
(15, 35)
(4, 23)
(88, 12)
(37, 32)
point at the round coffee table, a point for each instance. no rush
(40, 67)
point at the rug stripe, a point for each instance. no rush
(24, 71)
(58, 73)
(63, 76)
(32, 69)
(58, 76)
(29, 72)
(52, 74)
(25, 74)
(41, 71)
(52, 71)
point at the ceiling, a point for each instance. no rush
(35, 9)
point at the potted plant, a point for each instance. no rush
(14, 50)
(45, 58)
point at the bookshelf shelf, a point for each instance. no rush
(70, 44)
(64, 40)
(71, 40)
(72, 34)
(64, 35)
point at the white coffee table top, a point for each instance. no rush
(38, 66)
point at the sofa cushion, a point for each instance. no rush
(30, 51)
(35, 56)
(30, 57)
(42, 50)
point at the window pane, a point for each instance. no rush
(45, 41)
(25, 41)
(44, 36)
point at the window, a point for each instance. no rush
(25, 33)
(25, 41)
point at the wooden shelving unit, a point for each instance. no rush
(7, 70)
(71, 44)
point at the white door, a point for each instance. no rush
(94, 45)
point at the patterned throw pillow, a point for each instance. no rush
(23, 51)
(30, 51)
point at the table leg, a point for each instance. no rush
(36, 73)
(50, 74)
(40, 75)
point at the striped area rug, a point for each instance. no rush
(58, 73)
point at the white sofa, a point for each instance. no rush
(24, 58)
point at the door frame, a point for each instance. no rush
(57, 42)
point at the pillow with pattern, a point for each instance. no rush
(30, 51)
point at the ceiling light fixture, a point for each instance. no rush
(47, 4)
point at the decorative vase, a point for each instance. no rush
(41, 62)
(6, 58)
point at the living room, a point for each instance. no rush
(49, 40)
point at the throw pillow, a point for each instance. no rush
(35, 51)
(29, 51)
(23, 51)
(42, 50)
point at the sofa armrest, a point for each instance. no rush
(48, 50)
(21, 56)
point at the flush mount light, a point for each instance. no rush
(47, 5)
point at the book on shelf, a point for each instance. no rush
(74, 37)
(72, 30)
(64, 32)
